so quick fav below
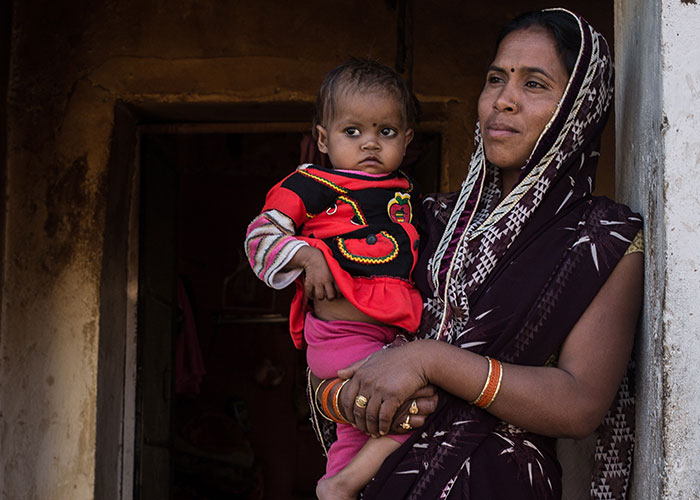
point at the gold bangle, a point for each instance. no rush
(492, 385)
(481, 394)
(316, 400)
(341, 418)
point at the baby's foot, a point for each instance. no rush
(334, 488)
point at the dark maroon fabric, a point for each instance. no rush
(538, 283)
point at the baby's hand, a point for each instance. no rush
(318, 281)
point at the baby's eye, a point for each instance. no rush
(388, 132)
(352, 131)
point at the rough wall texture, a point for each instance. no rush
(71, 62)
(680, 69)
(639, 170)
(658, 151)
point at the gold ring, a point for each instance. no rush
(413, 410)
(407, 424)
(361, 401)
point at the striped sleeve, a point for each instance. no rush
(269, 245)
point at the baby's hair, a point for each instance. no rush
(359, 75)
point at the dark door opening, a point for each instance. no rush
(221, 408)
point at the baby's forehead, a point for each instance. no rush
(351, 95)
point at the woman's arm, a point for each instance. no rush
(567, 401)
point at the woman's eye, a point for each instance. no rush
(352, 131)
(387, 132)
(494, 79)
(534, 85)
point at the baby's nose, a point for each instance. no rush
(371, 144)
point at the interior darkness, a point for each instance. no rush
(240, 429)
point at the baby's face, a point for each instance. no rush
(367, 133)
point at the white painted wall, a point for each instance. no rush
(657, 46)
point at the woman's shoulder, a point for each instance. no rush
(603, 205)
(610, 220)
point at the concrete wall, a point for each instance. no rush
(658, 70)
(71, 63)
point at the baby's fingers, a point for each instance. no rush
(330, 290)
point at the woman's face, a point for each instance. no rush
(523, 87)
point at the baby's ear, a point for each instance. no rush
(322, 141)
(409, 138)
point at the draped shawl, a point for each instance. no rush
(510, 279)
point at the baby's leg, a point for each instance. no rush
(348, 483)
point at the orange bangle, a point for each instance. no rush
(341, 419)
(324, 397)
(492, 385)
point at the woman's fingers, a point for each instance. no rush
(427, 391)
(359, 411)
(414, 412)
(350, 370)
(427, 405)
(371, 415)
(386, 416)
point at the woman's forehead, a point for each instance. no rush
(532, 47)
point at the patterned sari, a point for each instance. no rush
(510, 279)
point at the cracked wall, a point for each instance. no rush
(71, 61)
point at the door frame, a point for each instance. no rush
(119, 301)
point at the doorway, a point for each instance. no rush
(220, 390)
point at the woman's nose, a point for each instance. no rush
(505, 100)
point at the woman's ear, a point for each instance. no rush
(322, 140)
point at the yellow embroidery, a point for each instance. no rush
(362, 259)
(323, 181)
(355, 209)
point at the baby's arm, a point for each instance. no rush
(278, 257)
(270, 245)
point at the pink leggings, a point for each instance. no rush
(334, 345)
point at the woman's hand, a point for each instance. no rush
(415, 410)
(387, 380)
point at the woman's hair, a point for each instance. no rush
(361, 75)
(562, 26)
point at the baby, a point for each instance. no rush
(344, 235)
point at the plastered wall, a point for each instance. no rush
(658, 150)
(71, 62)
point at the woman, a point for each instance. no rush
(526, 267)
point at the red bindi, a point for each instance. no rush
(512, 70)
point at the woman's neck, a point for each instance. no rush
(509, 178)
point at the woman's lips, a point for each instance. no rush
(498, 130)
